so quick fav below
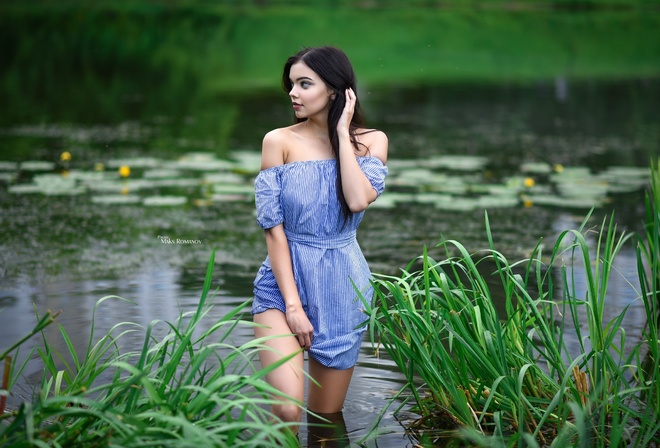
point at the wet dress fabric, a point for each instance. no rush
(328, 264)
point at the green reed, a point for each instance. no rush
(190, 387)
(509, 378)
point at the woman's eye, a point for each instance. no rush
(304, 84)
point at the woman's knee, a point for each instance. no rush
(288, 412)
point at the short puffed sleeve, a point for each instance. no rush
(267, 187)
(373, 168)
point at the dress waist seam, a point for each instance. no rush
(328, 242)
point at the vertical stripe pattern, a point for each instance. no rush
(325, 255)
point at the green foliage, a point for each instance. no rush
(190, 387)
(114, 53)
(648, 260)
(508, 378)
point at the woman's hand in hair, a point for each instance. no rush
(343, 125)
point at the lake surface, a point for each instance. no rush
(64, 251)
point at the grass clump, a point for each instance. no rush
(508, 377)
(190, 387)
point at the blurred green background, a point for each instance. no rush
(108, 61)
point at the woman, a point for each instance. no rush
(317, 178)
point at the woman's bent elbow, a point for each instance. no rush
(358, 206)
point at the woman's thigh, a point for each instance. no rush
(288, 378)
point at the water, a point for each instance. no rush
(64, 252)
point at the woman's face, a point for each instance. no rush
(309, 94)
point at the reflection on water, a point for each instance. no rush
(66, 252)
(327, 430)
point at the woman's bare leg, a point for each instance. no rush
(288, 378)
(328, 398)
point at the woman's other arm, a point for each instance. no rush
(358, 191)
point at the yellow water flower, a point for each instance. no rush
(559, 167)
(65, 156)
(124, 190)
(124, 171)
(99, 166)
(65, 173)
(529, 182)
(527, 203)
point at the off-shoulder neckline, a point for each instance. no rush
(312, 161)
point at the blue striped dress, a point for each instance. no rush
(325, 255)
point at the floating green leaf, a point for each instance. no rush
(161, 173)
(457, 163)
(117, 199)
(536, 168)
(159, 201)
(135, 162)
(37, 166)
(233, 189)
(8, 166)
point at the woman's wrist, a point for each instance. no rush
(292, 305)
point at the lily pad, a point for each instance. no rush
(583, 189)
(228, 197)
(56, 185)
(431, 198)
(135, 162)
(403, 164)
(450, 185)
(161, 174)
(198, 156)
(8, 166)
(614, 172)
(91, 176)
(495, 189)
(384, 202)
(117, 186)
(536, 168)
(117, 199)
(556, 201)
(457, 163)
(246, 161)
(625, 179)
(24, 189)
(418, 174)
(498, 201)
(160, 201)
(459, 204)
(233, 189)
(165, 183)
(627, 185)
(397, 197)
(224, 178)
(201, 165)
(571, 172)
(36, 165)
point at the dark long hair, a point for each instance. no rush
(334, 68)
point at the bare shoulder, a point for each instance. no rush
(273, 148)
(376, 142)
